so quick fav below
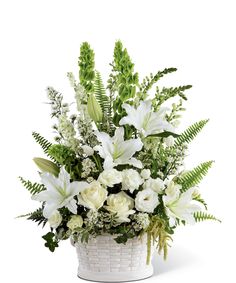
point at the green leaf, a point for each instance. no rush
(188, 135)
(33, 188)
(201, 216)
(193, 178)
(164, 135)
(37, 216)
(50, 242)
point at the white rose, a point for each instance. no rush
(93, 197)
(170, 141)
(76, 221)
(131, 180)
(145, 173)
(146, 201)
(121, 204)
(87, 150)
(110, 177)
(157, 185)
(55, 220)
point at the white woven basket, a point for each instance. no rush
(102, 259)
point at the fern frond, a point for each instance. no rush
(188, 135)
(201, 200)
(33, 188)
(100, 93)
(201, 216)
(194, 177)
(45, 144)
(37, 216)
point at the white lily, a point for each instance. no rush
(59, 192)
(115, 150)
(179, 206)
(145, 120)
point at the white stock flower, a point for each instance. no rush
(145, 120)
(93, 197)
(145, 173)
(131, 180)
(179, 206)
(169, 141)
(110, 177)
(75, 222)
(115, 150)
(55, 219)
(157, 185)
(146, 201)
(122, 205)
(59, 192)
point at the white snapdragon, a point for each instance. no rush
(122, 205)
(110, 177)
(55, 219)
(93, 197)
(131, 180)
(157, 185)
(146, 200)
(145, 173)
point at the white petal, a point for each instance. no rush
(64, 177)
(108, 163)
(135, 162)
(72, 206)
(119, 136)
(49, 209)
(76, 187)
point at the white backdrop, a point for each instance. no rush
(40, 42)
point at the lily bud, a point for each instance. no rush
(94, 109)
(46, 166)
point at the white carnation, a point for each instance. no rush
(157, 185)
(87, 150)
(110, 177)
(146, 201)
(145, 173)
(131, 180)
(55, 220)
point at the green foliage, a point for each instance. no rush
(86, 67)
(201, 216)
(37, 216)
(193, 178)
(125, 233)
(166, 93)
(158, 232)
(165, 134)
(148, 82)
(100, 93)
(188, 135)
(51, 241)
(33, 188)
(201, 200)
(66, 157)
(45, 144)
(123, 80)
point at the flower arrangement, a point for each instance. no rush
(117, 164)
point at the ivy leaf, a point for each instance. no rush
(164, 135)
(50, 242)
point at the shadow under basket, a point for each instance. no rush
(102, 259)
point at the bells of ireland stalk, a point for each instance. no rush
(94, 109)
(46, 166)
